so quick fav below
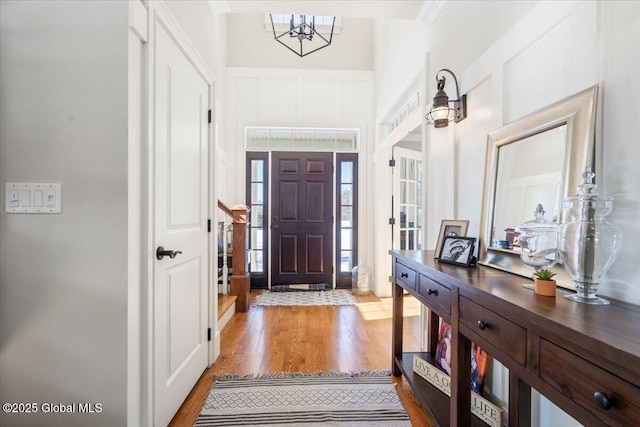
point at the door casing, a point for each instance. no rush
(143, 414)
(262, 280)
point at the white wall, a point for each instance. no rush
(399, 55)
(620, 147)
(300, 98)
(63, 278)
(555, 50)
(72, 293)
(253, 46)
(136, 313)
(404, 49)
(204, 28)
(460, 33)
(542, 60)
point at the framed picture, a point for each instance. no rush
(457, 250)
(443, 349)
(450, 227)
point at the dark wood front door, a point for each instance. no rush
(301, 217)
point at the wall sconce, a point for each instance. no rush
(441, 112)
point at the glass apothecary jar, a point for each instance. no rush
(537, 239)
(588, 244)
(361, 280)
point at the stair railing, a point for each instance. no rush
(240, 278)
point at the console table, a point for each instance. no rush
(583, 358)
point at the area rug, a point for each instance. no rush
(333, 297)
(296, 399)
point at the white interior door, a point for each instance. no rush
(407, 199)
(181, 189)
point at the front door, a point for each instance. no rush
(180, 207)
(301, 218)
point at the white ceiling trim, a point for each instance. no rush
(390, 9)
(219, 6)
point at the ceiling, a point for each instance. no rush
(400, 9)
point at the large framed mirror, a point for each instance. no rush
(535, 160)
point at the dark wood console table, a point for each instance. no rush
(583, 358)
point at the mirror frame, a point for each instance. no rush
(578, 113)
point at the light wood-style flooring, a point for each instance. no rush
(311, 339)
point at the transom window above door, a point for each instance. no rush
(282, 21)
(301, 139)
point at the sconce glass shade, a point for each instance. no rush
(588, 244)
(440, 113)
(439, 117)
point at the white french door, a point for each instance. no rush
(407, 199)
(180, 304)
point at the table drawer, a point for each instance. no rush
(437, 295)
(505, 335)
(580, 380)
(405, 276)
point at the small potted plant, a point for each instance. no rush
(544, 283)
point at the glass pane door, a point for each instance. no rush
(407, 197)
(257, 196)
(347, 217)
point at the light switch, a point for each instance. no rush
(33, 198)
(25, 198)
(12, 195)
(38, 198)
(51, 197)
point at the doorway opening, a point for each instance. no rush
(407, 192)
(304, 206)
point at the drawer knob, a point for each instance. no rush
(482, 325)
(432, 292)
(404, 275)
(602, 400)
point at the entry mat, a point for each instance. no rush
(333, 297)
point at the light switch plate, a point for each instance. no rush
(33, 198)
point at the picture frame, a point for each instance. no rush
(443, 348)
(447, 227)
(457, 250)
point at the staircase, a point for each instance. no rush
(232, 254)
(226, 309)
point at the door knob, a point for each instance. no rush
(275, 227)
(161, 252)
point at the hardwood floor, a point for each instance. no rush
(311, 339)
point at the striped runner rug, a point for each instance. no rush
(295, 399)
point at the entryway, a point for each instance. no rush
(303, 217)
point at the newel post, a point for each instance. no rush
(240, 280)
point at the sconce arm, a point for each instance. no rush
(442, 80)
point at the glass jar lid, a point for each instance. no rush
(588, 203)
(540, 223)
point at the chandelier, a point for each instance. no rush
(302, 38)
